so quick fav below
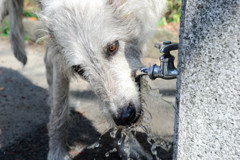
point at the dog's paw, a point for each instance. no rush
(58, 155)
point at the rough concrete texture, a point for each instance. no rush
(207, 124)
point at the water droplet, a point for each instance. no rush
(149, 140)
(94, 145)
(113, 133)
(97, 144)
(107, 154)
(120, 141)
(135, 132)
(153, 149)
(144, 129)
(113, 150)
(126, 140)
(154, 146)
(154, 152)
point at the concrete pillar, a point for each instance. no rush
(207, 122)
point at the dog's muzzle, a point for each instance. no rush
(127, 116)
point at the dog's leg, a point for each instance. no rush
(57, 126)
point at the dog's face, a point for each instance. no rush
(101, 40)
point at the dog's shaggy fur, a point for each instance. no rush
(80, 33)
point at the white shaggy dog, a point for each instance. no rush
(100, 40)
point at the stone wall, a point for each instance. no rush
(207, 122)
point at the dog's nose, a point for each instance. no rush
(127, 116)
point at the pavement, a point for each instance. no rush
(24, 92)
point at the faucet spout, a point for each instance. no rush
(153, 71)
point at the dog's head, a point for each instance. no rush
(101, 40)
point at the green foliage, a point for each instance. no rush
(174, 10)
(30, 8)
(163, 22)
(30, 14)
(26, 37)
(173, 13)
(5, 29)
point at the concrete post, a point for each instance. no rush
(207, 122)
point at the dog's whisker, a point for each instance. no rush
(42, 30)
(42, 39)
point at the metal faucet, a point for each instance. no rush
(166, 70)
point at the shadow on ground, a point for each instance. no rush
(35, 144)
(23, 106)
(23, 119)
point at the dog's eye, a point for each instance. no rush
(78, 69)
(112, 48)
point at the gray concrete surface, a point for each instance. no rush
(208, 88)
(24, 92)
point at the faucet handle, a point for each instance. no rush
(166, 46)
(166, 70)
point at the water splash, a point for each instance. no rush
(119, 141)
(107, 154)
(130, 147)
(111, 151)
(94, 145)
(128, 143)
(113, 133)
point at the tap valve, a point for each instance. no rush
(166, 70)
